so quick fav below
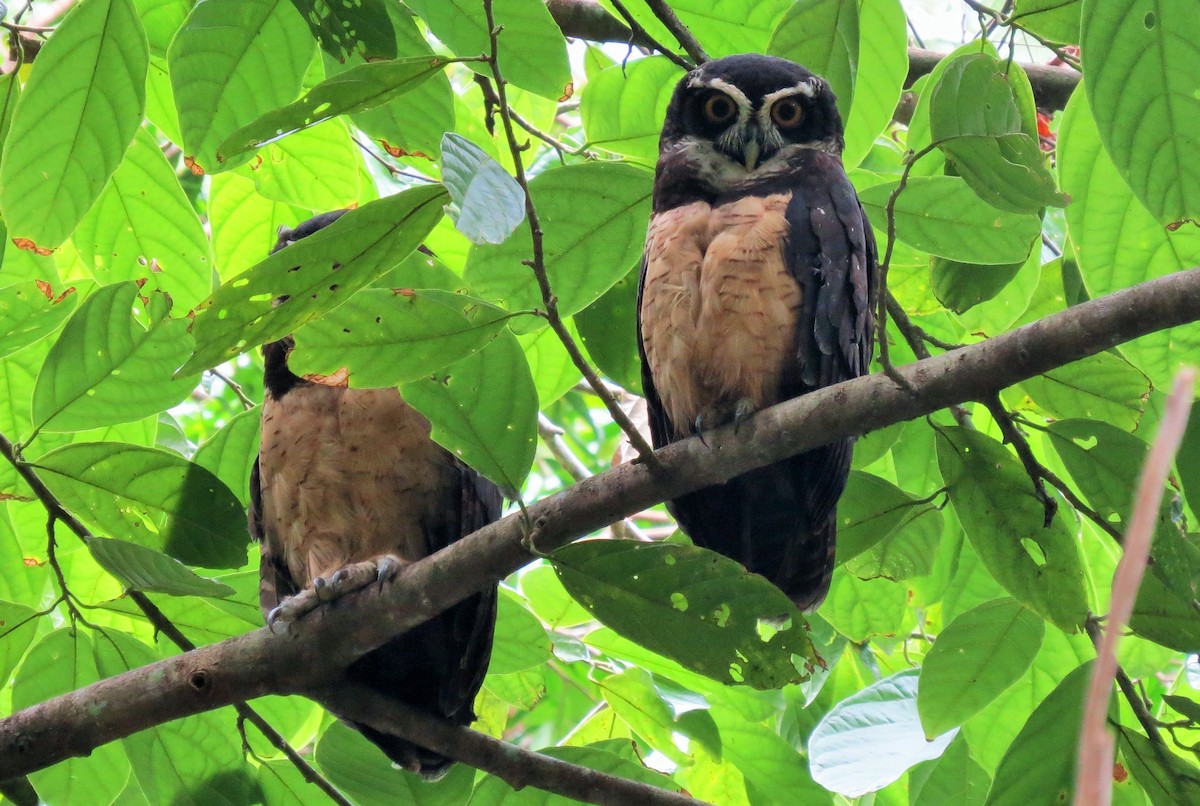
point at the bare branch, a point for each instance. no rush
(666, 15)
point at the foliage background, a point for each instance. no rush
(131, 187)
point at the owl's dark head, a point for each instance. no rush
(740, 117)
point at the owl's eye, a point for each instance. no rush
(787, 113)
(720, 108)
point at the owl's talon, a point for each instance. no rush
(741, 411)
(699, 425)
(386, 568)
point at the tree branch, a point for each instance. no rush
(316, 649)
(666, 15)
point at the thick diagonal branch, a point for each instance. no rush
(316, 649)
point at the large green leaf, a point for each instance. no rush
(140, 568)
(1101, 387)
(631, 694)
(584, 254)
(488, 203)
(1038, 564)
(245, 224)
(143, 227)
(1166, 778)
(726, 27)
(1056, 20)
(623, 106)
(532, 52)
(18, 625)
(962, 286)
(314, 275)
(107, 368)
(152, 497)
(1104, 461)
(521, 642)
(941, 215)
(872, 737)
(59, 663)
(978, 655)
(309, 169)
(362, 87)
(483, 409)
(30, 311)
(231, 452)
(1039, 766)
(693, 606)
(77, 115)
(1151, 134)
(868, 511)
(1115, 257)
(350, 27)
(955, 778)
(231, 62)
(386, 337)
(608, 328)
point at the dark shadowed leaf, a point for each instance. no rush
(140, 568)
(345, 27)
(691, 605)
(962, 286)
(488, 203)
(157, 498)
(872, 737)
(868, 511)
(1167, 778)
(313, 275)
(978, 655)
(608, 328)
(230, 453)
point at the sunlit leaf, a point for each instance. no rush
(624, 106)
(18, 625)
(27, 314)
(1101, 387)
(230, 452)
(521, 642)
(141, 568)
(488, 203)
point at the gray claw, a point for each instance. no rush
(325, 591)
(387, 567)
(700, 430)
(743, 409)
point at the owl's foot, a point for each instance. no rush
(741, 410)
(721, 413)
(344, 581)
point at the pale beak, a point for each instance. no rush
(750, 154)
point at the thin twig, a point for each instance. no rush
(538, 263)
(57, 512)
(666, 15)
(1003, 18)
(492, 101)
(1033, 468)
(246, 402)
(637, 32)
(1093, 783)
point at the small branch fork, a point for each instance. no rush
(162, 624)
(638, 33)
(538, 264)
(1093, 785)
(680, 31)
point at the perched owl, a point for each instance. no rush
(756, 287)
(350, 476)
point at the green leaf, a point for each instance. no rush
(978, 655)
(908, 551)
(362, 87)
(230, 452)
(350, 27)
(28, 314)
(192, 760)
(941, 215)
(623, 107)
(868, 511)
(18, 625)
(631, 694)
(608, 328)
(532, 52)
(139, 568)
(1008, 172)
(726, 27)
(387, 337)
(309, 169)
(282, 784)
(488, 203)
(584, 254)
(79, 111)
(823, 35)
(521, 642)
(107, 368)
(962, 286)
(955, 778)
(157, 499)
(1111, 258)
(144, 228)
(1039, 766)
(245, 224)
(314, 275)
(361, 770)
(1150, 134)
(483, 409)
(1101, 387)
(230, 63)
(972, 96)
(872, 737)
(993, 497)
(691, 605)
(1165, 777)
(1056, 20)
(863, 608)
(59, 663)
(1103, 460)
(554, 373)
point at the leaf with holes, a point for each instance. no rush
(28, 314)
(140, 568)
(977, 656)
(387, 337)
(488, 203)
(157, 498)
(79, 111)
(363, 87)
(346, 27)
(230, 63)
(107, 367)
(693, 606)
(483, 409)
(1037, 563)
(313, 275)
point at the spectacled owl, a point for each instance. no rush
(350, 476)
(757, 285)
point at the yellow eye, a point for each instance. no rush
(787, 113)
(720, 108)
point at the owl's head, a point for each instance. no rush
(742, 115)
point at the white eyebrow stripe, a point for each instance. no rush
(743, 103)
